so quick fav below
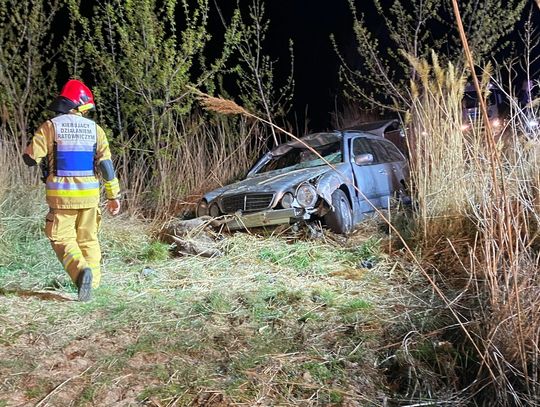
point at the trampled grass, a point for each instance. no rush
(270, 322)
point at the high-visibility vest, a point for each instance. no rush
(73, 147)
(75, 144)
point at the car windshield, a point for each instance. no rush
(297, 157)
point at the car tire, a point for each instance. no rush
(202, 209)
(339, 219)
(402, 197)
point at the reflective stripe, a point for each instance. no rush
(112, 188)
(72, 186)
(62, 173)
(70, 257)
(73, 193)
(111, 185)
(75, 147)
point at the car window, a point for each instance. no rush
(392, 151)
(386, 151)
(361, 145)
(382, 153)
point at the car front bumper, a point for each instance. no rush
(266, 218)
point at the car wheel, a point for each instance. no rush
(402, 197)
(339, 219)
(202, 209)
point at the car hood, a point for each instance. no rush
(273, 181)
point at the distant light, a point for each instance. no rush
(464, 127)
(424, 133)
(496, 123)
(533, 123)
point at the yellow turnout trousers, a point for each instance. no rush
(74, 238)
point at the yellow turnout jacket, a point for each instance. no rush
(73, 146)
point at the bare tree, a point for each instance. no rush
(259, 90)
(380, 73)
(26, 73)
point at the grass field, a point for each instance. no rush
(275, 321)
(441, 311)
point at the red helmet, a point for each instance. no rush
(74, 95)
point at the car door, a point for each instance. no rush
(366, 176)
(395, 169)
(384, 171)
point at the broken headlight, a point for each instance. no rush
(306, 195)
(287, 200)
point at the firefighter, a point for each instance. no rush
(74, 149)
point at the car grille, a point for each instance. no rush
(246, 202)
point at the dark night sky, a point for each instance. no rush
(310, 24)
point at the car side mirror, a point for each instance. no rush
(363, 159)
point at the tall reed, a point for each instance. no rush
(437, 146)
(196, 153)
(478, 203)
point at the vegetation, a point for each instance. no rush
(443, 310)
(477, 214)
(25, 36)
(143, 64)
(260, 90)
(416, 28)
(271, 321)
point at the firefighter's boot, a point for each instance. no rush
(84, 284)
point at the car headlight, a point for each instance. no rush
(214, 210)
(287, 200)
(306, 195)
(202, 208)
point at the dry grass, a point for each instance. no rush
(438, 149)
(4, 175)
(197, 154)
(220, 105)
(276, 321)
(477, 208)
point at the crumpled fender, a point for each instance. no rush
(332, 180)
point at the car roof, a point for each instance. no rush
(313, 139)
(377, 127)
(324, 138)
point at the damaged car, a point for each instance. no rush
(336, 177)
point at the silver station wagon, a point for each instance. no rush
(291, 183)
